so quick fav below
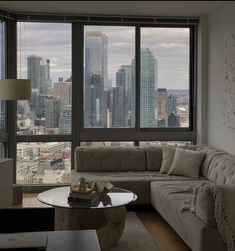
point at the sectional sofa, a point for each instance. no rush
(137, 169)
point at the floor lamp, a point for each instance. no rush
(10, 89)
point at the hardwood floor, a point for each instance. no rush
(161, 232)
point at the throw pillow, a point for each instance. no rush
(205, 204)
(186, 163)
(168, 154)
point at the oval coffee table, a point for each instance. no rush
(107, 215)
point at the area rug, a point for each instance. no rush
(135, 236)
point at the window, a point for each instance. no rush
(42, 163)
(164, 91)
(114, 143)
(168, 143)
(109, 86)
(44, 56)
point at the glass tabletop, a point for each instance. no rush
(58, 197)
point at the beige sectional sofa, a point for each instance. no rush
(137, 169)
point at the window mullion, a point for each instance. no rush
(137, 78)
(11, 105)
(77, 85)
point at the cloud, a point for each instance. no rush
(53, 41)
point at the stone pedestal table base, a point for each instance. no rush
(109, 223)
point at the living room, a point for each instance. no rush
(108, 75)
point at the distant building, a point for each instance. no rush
(63, 92)
(148, 85)
(38, 71)
(52, 113)
(161, 123)
(65, 121)
(172, 104)
(96, 82)
(162, 106)
(173, 120)
(121, 97)
(34, 70)
(2, 114)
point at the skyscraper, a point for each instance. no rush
(148, 85)
(63, 91)
(52, 113)
(173, 120)
(172, 104)
(121, 97)
(34, 70)
(162, 107)
(65, 120)
(38, 70)
(45, 81)
(2, 114)
(95, 110)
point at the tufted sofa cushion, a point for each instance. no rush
(110, 159)
(222, 169)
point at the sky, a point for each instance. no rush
(170, 46)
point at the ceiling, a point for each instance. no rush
(147, 8)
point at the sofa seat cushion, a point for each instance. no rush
(146, 176)
(167, 198)
(137, 182)
(205, 204)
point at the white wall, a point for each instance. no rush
(218, 134)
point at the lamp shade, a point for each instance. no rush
(15, 89)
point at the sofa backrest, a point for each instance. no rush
(222, 169)
(154, 158)
(218, 166)
(110, 159)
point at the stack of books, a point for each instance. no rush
(83, 198)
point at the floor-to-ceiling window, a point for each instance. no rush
(100, 83)
(44, 57)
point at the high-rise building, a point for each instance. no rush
(118, 114)
(173, 120)
(63, 92)
(65, 121)
(38, 70)
(162, 106)
(34, 70)
(121, 97)
(45, 81)
(2, 114)
(96, 98)
(148, 85)
(172, 104)
(52, 113)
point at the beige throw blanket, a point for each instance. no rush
(225, 213)
(224, 196)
